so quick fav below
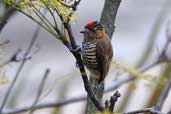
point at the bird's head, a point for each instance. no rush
(93, 30)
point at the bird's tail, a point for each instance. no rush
(96, 86)
(97, 91)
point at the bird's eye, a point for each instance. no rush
(93, 29)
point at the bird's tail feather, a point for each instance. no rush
(95, 84)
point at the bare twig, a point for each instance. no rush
(35, 36)
(163, 96)
(46, 105)
(73, 6)
(148, 110)
(71, 36)
(13, 58)
(40, 90)
(164, 54)
(113, 100)
(4, 43)
(43, 18)
(164, 57)
(64, 102)
(130, 77)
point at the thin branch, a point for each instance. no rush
(4, 43)
(62, 38)
(53, 16)
(71, 36)
(35, 36)
(110, 105)
(65, 102)
(164, 54)
(148, 110)
(66, 5)
(73, 6)
(13, 58)
(46, 105)
(36, 21)
(40, 90)
(43, 18)
(163, 96)
(130, 77)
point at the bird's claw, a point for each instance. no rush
(77, 65)
(76, 50)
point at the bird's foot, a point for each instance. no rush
(75, 50)
(77, 53)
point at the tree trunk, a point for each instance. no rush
(90, 108)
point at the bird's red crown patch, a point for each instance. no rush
(90, 25)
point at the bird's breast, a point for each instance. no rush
(89, 53)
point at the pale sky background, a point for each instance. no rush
(134, 22)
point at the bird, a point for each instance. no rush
(97, 51)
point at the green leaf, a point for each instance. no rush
(39, 3)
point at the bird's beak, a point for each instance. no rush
(84, 31)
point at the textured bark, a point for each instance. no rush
(90, 108)
(108, 17)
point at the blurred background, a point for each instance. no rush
(138, 39)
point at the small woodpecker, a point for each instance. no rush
(97, 50)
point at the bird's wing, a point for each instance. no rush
(104, 55)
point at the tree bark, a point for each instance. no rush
(90, 107)
(108, 17)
